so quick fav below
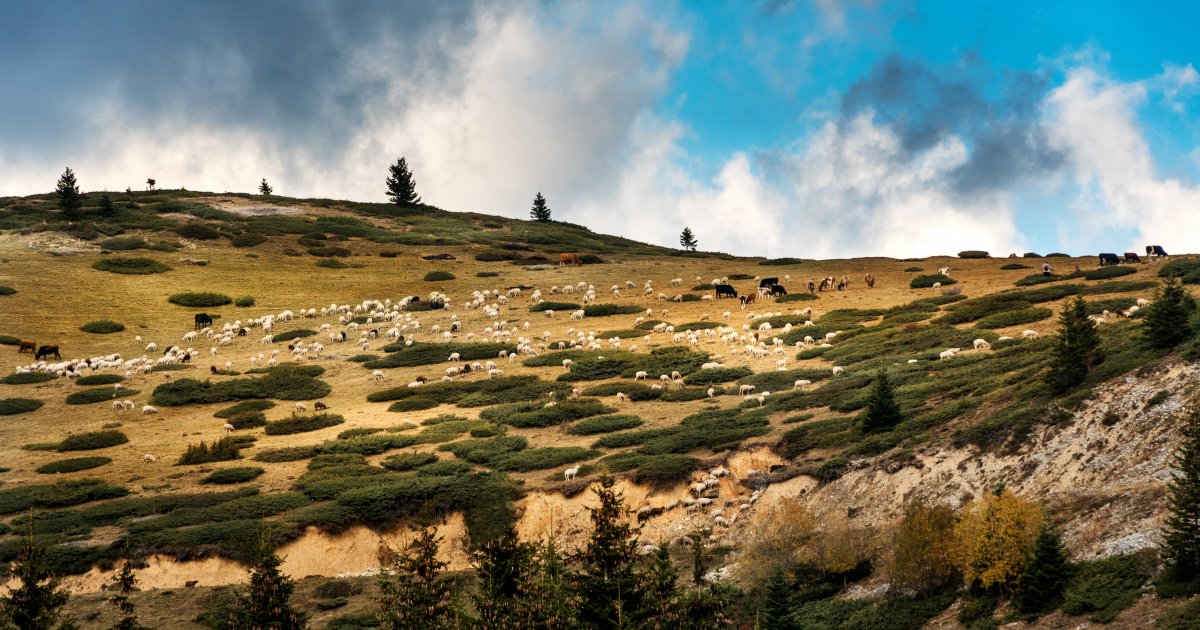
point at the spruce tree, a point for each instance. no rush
(125, 582)
(264, 188)
(413, 591)
(401, 187)
(37, 604)
(606, 584)
(504, 566)
(266, 604)
(540, 211)
(1165, 322)
(777, 607)
(661, 607)
(1044, 578)
(68, 195)
(687, 240)
(883, 412)
(699, 557)
(150, 182)
(107, 208)
(549, 604)
(1076, 348)
(1181, 532)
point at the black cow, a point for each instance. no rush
(725, 290)
(204, 319)
(46, 351)
(767, 282)
(1155, 250)
(1109, 259)
(777, 290)
(1132, 257)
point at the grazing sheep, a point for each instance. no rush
(945, 271)
(454, 356)
(129, 406)
(567, 363)
(838, 370)
(641, 375)
(712, 392)
(1029, 334)
(229, 428)
(148, 410)
(801, 383)
(301, 407)
(982, 344)
(570, 473)
(118, 406)
(622, 398)
(378, 375)
(149, 459)
(745, 389)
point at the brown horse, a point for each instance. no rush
(569, 259)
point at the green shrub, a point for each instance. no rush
(9, 340)
(1187, 270)
(973, 253)
(1037, 278)
(408, 461)
(237, 474)
(332, 263)
(927, 281)
(604, 424)
(913, 269)
(244, 301)
(73, 465)
(438, 276)
(13, 406)
(56, 495)
(486, 451)
(248, 239)
(666, 470)
(97, 394)
(1014, 318)
(102, 327)
(330, 251)
(303, 424)
(294, 334)
(431, 353)
(27, 378)
(496, 256)
(536, 414)
(1104, 273)
(1031, 255)
(1014, 266)
(553, 306)
(91, 440)
(445, 468)
(196, 299)
(98, 379)
(197, 231)
(543, 458)
(1158, 398)
(780, 261)
(1106, 587)
(242, 407)
(7, 290)
(602, 310)
(717, 375)
(130, 266)
(487, 274)
(124, 243)
(591, 259)
(248, 420)
(284, 382)
(224, 449)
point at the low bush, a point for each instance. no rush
(1031, 255)
(199, 299)
(224, 449)
(5, 290)
(330, 251)
(56, 495)
(913, 269)
(244, 301)
(98, 394)
(91, 440)
(927, 281)
(602, 310)
(332, 263)
(445, 468)
(237, 474)
(1106, 587)
(1104, 273)
(130, 266)
(553, 306)
(438, 276)
(666, 470)
(717, 375)
(408, 461)
(242, 407)
(780, 261)
(1014, 318)
(98, 379)
(543, 458)
(102, 327)
(1037, 278)
(13, 406)
(536, 414)
(1057, 255)
(249, 419)
(248, 239)
(741, 276)
(73, 465)
(1014, 266)
(591, 259)
(284, 382)
(27, 378)
(604, 424)
(487, 274)
(496, 256)
(973, 253)
(303, 424)
(9, 340)
(197, 231)
(293, 334)
(1186, 269)
(124, 243)
(433, 353)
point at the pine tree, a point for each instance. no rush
(1076, 348)
(150, 182)
(777, 607)
(660, 608)
(106, 206)
(413, 591)
(699, 564)
(68, 195)
(540, 211)
(883, 412)
(1044, 577)
(125, 582)
(1181, 532)
(266, 605)
(1165, 322)
(549, 604)
(401, 187)
(37, 604)
(264, 188)
(606, 584)
(504, 566)
(687, 240)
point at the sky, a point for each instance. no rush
(806, 128)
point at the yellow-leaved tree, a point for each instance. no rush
(995, 537)
(924, 558)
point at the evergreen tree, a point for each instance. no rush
(687, 240)
(413, 591)
(150, 182)
(68, 195)
(777, 608)
(125, 582)
(264, 188)
(401, 187)
(266, 605)
(606, 584)
(504, 566)
(660, 589)
(1181, 532)
(883, 412)
(106, 206)
(1165, 322)
(37, 604)
(1044, 577)
(699, 558)
(1076, 347)
(540, 211)
(549, 604)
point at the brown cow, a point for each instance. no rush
(569, 259)
(870, 280)
(27, 346)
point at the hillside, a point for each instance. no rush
(483, 450)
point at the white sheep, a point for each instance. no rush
(454, 356)
(801, 383)
(148, 410)
(712, 392)
(149, 459)
(378, 375)
(982, 344)
(570, 473)
(641, 375)
(229, 428)
(745, 389)
(838, 370)
(1029, 334)
(301, 407)
(622, 398)
(567, 363)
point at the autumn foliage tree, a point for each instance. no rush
(923, 549)
(995, 537)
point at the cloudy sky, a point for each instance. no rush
(814, 128)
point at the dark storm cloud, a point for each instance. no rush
(923, 105)
(291, 68)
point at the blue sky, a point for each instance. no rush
(815, 128)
